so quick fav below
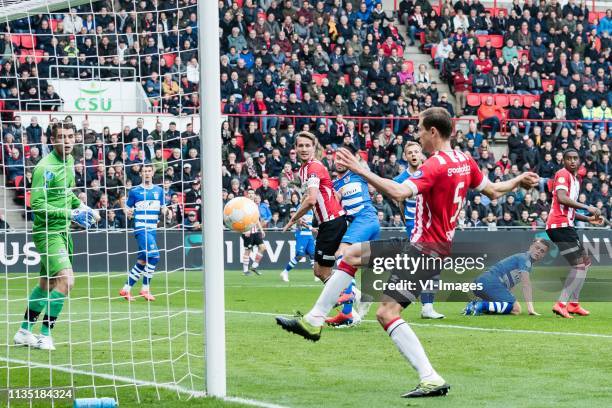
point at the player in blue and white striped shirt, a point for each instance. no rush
(354, 196)
(304, 243)
(498, 282)
(144, 203)
(414, 157)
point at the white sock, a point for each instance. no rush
(327, 299)
(245, 267)
(145, 288)
(409, 345)
(127, 288)
(255, 264)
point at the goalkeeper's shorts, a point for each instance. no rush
(55, 249)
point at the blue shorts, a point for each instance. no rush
(147, 245)
(362, 229)
(304, 245)
(493, 290)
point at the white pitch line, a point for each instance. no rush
(459, 327)
(128, 380)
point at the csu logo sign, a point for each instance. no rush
(92, 98)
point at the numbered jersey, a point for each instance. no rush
(508, 270)
(440, 186)
(562, 216)
(147, 203)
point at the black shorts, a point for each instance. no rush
(328, 240)
(254, 239)
(570, 246)
(389, 249)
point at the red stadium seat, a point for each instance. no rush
(181, 198)
(364, 155)
(400, 52)
(28, 41)
(16, 39)
(433, 51)
(482, 39)
(53, 24)
(483, 97)
(347, 79)
(546, 83)
(498, 53)
(529, 99)
(436, 8)
(502, 100)
(255, 183)
(167, 153)
(497, 41)
(410, 65)
(422, 37)
(27, 199)
(18, 180)
(169, 59)
(318, 78)
(473, 99)
(273, 182)
(240, 140)
(523, 52)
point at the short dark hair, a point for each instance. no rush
(570, 150)
(65, 124)
(544, 241)
(438, 118)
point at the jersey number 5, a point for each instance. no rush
(459, 200)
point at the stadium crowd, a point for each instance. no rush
(335, 68)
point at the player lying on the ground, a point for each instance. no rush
(560, 229)
(253, 240)
(304, 243)
(413, 155)
(353, 193)
(144, 203)
(55, 206)
(497, 283)
(441, 188)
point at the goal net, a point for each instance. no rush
(125, 75)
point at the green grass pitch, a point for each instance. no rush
(490, 361)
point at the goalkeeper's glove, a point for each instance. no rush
(84, 216)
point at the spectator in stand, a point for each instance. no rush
(490, 115)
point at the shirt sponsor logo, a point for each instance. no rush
(465, 169)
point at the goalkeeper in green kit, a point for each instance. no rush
(54, 206)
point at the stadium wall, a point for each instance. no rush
(106, 251)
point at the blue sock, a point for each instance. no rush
(427, 297)
(134, 274)
(291, 264)
(494, 307)
(348, 307)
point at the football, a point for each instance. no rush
(240, 214)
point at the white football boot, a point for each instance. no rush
(26, 338)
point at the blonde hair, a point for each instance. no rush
(310, 136)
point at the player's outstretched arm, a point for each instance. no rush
(528, 293)
(496, 190)
(396, 191)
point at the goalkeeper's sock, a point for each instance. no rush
(134, 276)
(257, 260)
(494, 307)
(348, 307)
(36, 304)
(148, 276)
(291, 264)
(56, 303)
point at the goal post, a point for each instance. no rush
(210, 119)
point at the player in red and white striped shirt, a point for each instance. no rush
(440, 186)
(319, 195)
(560, 229)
